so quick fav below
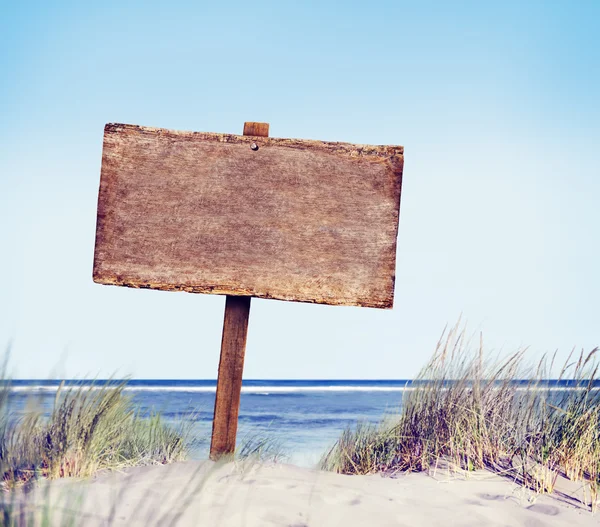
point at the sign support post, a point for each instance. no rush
(231, 363)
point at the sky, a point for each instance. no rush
(496, 104)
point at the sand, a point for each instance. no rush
(261, 495)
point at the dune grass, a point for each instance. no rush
(469, 411)
(91, 428)
(261, 448)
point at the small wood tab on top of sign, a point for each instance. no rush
(259, 129)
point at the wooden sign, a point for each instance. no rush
(244, 216)
(308, 221)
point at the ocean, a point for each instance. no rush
(304, 416)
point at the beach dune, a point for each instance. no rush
(260, 495)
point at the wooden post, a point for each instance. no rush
(233, 350)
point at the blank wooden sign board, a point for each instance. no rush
(244, 216)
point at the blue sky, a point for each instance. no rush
(497, 107)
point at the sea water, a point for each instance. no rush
(305, 417)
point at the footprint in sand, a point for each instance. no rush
(534, 522)
(549, 510)
(491, 497)
(342, 498)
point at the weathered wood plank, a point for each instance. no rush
(300, 220)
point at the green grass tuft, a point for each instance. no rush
(91, 428)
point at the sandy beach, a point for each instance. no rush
(258, 495)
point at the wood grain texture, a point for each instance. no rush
(229, 381)
(300, 220)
